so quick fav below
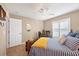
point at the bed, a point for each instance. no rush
(50, 47)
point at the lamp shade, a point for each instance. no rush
(28, 27)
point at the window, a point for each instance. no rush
(61, 27)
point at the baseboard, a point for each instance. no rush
(23, 43)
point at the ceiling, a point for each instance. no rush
(41, 11)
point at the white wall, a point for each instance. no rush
(36, 25)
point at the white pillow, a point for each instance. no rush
(62, 39)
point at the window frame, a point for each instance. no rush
(59, 21)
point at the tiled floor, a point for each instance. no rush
(17, 51)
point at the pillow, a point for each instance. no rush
(73, 34)
(77, 35)
(62, 39)
(71, 42)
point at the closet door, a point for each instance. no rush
(2, 38)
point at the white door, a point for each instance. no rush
(15, 32)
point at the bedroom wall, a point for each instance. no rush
(74, 21)
(36, 26)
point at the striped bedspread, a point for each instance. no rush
(53, 49)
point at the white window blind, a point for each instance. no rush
(61, 27)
